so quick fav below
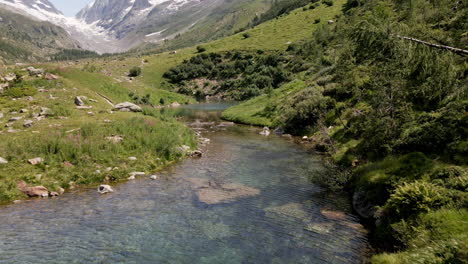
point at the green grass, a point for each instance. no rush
(256, 112)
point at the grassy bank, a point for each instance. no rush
(391, 114)
(79, 146)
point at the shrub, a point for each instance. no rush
(201, 49)
(317, 20)
(328, 2)
(246, 35)
(411, 199)
(135, 71)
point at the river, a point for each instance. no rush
(287, 219)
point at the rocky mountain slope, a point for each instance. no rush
(23, 39)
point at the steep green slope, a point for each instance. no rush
(391, 113)
(23, 39)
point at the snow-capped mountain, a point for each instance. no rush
(134, 21)
(108, 26)
(89, 36)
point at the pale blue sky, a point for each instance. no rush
(70, 7)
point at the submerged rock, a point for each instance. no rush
(103, 189)
(210, 192)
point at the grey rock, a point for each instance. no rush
(127, 106)
(28, 123)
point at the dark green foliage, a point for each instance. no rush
(233, 75)
(246, 35)
(281, 7)
(328, 2)
(135, 71)
(201, 49)
(73, 54)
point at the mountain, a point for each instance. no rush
(110, 26)
(133, 22)
(25, 39)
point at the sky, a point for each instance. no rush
(70, 7)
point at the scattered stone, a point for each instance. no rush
(84, 107)
(288, 136)
(153, 177)
(98, 171)
(34, 72)
(37, 191)
(127, 107)
(54, 194)
(132, 177)
(137, 174)
(204, 140)
(1, 115)
(90, 113)
(28, 123)
(132, 158)
(226, 124)
(50, 77)
(115, 139)
(103, 189)
(266, 132)
(94, 101)
(24, 111)
(30, 98)
(52, 97)
(175, 104)
(196, 154)
(61, 191)
(331, 21)
(67, 164)
(14, 119)
(107, 121)
(36, 161)
(210, 192)
(79, 100)
(183, 149)
(45, 111)
(3, 161)
(10, 77)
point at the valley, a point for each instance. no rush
(376, 124)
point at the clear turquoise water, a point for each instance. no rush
(163, 221)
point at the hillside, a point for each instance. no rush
(24, 39)
(391, 114)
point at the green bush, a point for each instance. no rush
(135, 71)
(411, 199)
(201, 49)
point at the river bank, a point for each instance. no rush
(282, 218)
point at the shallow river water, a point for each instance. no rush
(289, 220)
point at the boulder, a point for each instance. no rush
(3, 161)
(14, 119)
(127, 107)
(28, 123)
(10, 77)
(265, 132)
(153, 177)
(115, 139)
(103, 189)
(50, 77)
(196, 154)
(37, 191)
(34, 72)
(35, 161)
(79, 100)
(137, 173)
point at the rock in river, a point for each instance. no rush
(212, 193)
(105, 189)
